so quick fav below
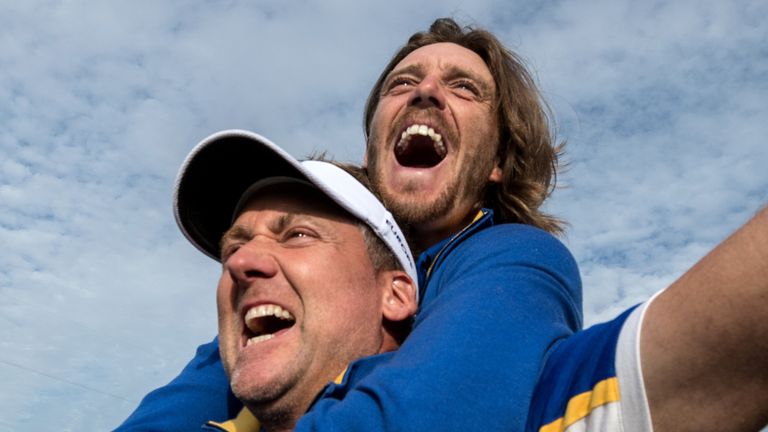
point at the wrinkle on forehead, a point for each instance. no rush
(295, 201)
(454, 61)
(281, 211)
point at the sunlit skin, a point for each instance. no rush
(450, 89)
(294, 249)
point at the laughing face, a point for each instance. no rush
(298, 299)
(433, 139)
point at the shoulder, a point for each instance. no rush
(507, 260)
(515, 235)
(582, 380)
(514, 244)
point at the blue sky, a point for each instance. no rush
(663, 106)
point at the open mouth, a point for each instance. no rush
(262, 322)
(420, 147)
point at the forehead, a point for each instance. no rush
(297, 200)
(445, 56)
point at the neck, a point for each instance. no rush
(430, 233)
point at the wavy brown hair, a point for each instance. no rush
(527, 153)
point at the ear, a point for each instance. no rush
(398, 301)
(496, 173)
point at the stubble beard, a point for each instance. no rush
(410, 208)
(267, 401)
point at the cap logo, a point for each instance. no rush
(400, 241)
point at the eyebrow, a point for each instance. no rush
(455, 72)
(452, 72)
(278, 224)
(412, 69)
(233, 234)
(243, 233)
(416, 69)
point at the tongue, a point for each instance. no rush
(418, 152)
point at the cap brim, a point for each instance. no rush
(222, 167)
(213, 178)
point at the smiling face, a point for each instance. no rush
(433, 139)
(298, 299)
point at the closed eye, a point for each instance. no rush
(227, 250)
(400, 83)
(299, 236)
(466, 87)
(232, 240)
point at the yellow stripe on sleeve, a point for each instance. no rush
(606, 391)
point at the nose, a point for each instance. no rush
(251, 261)
(428, 93)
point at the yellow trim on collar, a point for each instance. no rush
(480, 213)
(247, 422)
(244, 422)
(340, 378)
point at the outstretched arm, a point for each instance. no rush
(704, 343)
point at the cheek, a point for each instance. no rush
(485, 130)
(229, 335)
(225, 294)
(350, 297)
(226, 304)
(483, 151)
(480, 120)
(375, 141)
(383, 120)
(350, 326)
(362, 298)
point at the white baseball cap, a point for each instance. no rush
(227, 167)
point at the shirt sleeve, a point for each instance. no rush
(501, 299)
(198, 394)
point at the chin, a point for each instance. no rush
(248, 385)
(272, 403)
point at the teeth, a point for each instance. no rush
(422, 130)
(440, 148)
(257, 339)
(262, 311)
(267, 310)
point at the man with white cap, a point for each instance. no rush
(315, 271)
